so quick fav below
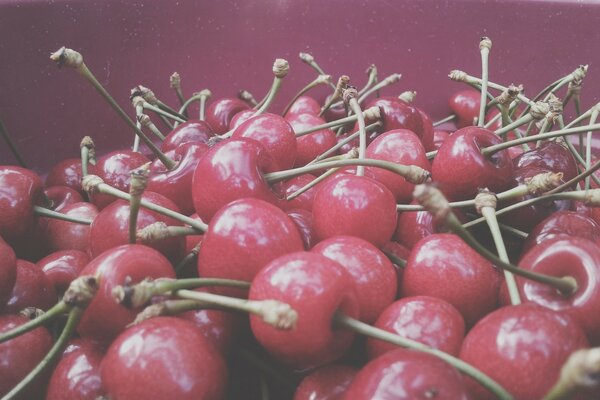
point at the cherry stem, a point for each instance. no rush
(359, 327)
(202, 96)
(588, 146)
(369, 128)
(485, 45)
(248, 97)
(310, 61)
(11, 145)
(342, 83)
(578, 158)
(139, 111)
(88, 154)
(48, 213)
(145, 121)
(350, 94)
(372, 79)
(435, 202)
(411, 173)
(137, 186)
(580, 371)
(95, 184)
(163, 110)
(58, 309)
(175, 83)
(394, 258)
(159, 230)
(460, 76)
(58, 347)
(370, 114)
(321, 79)
(190, 257)
(160, 111)
(444, 120)
(387, 81)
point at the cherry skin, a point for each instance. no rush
(21, 354)
(243, 237)
(428, 137)
(8, 271)
(460, 169)
(220, 113)
(572, 256)
(62, 196)
(241, 117)
(193, 131)
(229, 171)
(315, 287)
(304, 105)
(517, 344)
(465, 105)
(77, 375)
(399, 146)
(397, 114)
(104, 318)
(68, 173)
(428, 320)
(355, 206)
(163, 358)
(407, 374)
(219, 328)
(329, 382)
(314, 144)
(439, 136)
(274, 133)
(372, 272)
(111, 227)
(32, 289)
(303, 201)
(443, 266)
(61, 267)
(304, 222)
(64, 235)
(550, 156)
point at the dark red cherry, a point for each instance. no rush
(329, 382)
(442, 265)
(20, 355)
(163, 358)
(104, 318)
(61, 267)
(316, 288)
(314, 144)
(68, 173)
(355, 206)
(522, 348)
(8, 271)
(397, 114)
(193, 131)
(425, 319)
(372, 272)
(461, 169)
(220, 113)
(335, 113)
(550, 156)
(439, 136)
(274, 133)
(407, 374)
(64, 235)
(304, 105)
(304, 222)
(428, 137)
(465, 105)
(241, 117)
(32, 289)
(77, 375)
(62, 196)
(303, 201)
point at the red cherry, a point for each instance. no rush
(329, 382)
(192, 240)
(439, 136)
(355, 206)
(68, 173)
(220, 113)
(315, 287)
(192, 131)
(111, 227)
(465, 105)
(521, 344)
(407, 374)
(397, 114)
(550, 156)
(314, 144)
(304, 222)
(64, 235)
(104, 319)
(31, 289)
(61, 267)
(372, 272)
(243, 237)
(400, 146)
(77, 374)
(241, 117)
(303, 201)
(428, 320)
(461, 169)
(62, 196)
(274, 133)
(20, 355)
(443, 266)
(163, 358)
(8, 271)
(304, 105)
(428, 137)
(334, 113)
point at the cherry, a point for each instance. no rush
(220, 113)
(397, 114)
(220, 328)
(274, 133)
(161, 358)
(465, 105)
(428, 320)
(104, 319)
(304, 222)
(61, 267)
(402, 147)
(64, 235)
(303, 201)
(551, 156)
(191, 241)
(439, 136)
(111, 227)
(243, 237)
(355, 206)
(8, 271)
(428, 137)
(443, 266)
(314, 144)
(407, 374)
(68, 173)
(461, 169)
(32, 289)
(193, 131)
(304, 105)
(316, 287)
(329, 382)
(21, 354)
(524, 343)
(62, 196)
(77, 375)
(372, 272)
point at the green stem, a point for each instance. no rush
(164, 113)
(318, 81)
(362, 148)
(369, 128)
(46, 212)
(336, 123)
(58, 309)
(389, 80)
(485, 46)
(444, 120)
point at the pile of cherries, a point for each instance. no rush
(347, 249)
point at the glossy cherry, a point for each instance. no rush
(329, 382)
(428, 137)
(68, 173)
(442, 265)
(193, 131)
(32, 289)
(397, 114)
(304, 105)
(8, 271)
(303, 201)
(64, 235)
(61, 267)
(465, 105)
(439, 136)
(314, 144)
(425, 319)
(355, 206)
(372, 272)
(162, 358)
(518, 344)
(315, 287)
(220, 113)
(61, 196)
(304, 222)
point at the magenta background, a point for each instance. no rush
(228, 45)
